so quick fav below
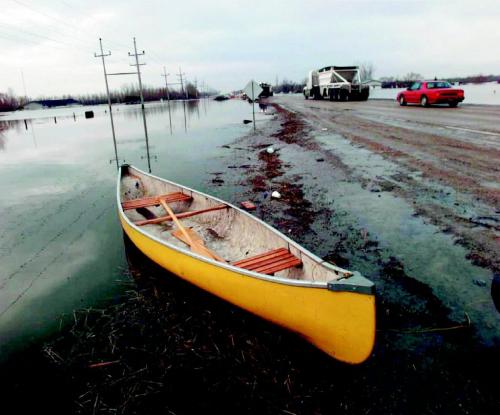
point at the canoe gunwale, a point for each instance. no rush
(359, 283)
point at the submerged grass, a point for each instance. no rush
(169, 347)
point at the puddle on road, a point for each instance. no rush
(429, 255)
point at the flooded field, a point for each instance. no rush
(61, 245)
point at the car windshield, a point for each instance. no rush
(438, 84)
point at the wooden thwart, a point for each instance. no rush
(269, 262)
(179, 215)
(155, 200)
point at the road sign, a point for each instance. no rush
(252, 90)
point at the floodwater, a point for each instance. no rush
(428, 254)
(61, 245)
(487, 93)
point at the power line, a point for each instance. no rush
(65, 23)
(9, 36)
(35, 35)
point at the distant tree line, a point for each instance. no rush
(128, 93)
(475, 79)
(8, 102)
(286, 86)
(409, 78)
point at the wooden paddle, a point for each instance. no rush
(197, 239)
(195, 245)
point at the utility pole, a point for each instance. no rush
(180, 75)
(165, 75)
(102, 56)
(138, 65)
(24, 88)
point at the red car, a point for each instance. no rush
(427, 93)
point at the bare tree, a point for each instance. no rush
(366, 70)
(8, 102)
(412, 76)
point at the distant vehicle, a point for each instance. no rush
(51, 103)
(428, 93)
(338, 83)
(221, 98)
(267, 90)
(132, 99)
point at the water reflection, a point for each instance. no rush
(58, 125)
(60, 241)
(3, 127)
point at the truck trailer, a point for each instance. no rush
(338, 83)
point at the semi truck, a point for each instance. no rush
(338, 83)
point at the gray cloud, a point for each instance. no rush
(227, 42)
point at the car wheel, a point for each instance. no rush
(453, 104)
(402, 100)
(424, 101)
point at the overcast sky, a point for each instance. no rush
(225, 43)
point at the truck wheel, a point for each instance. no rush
(402, 101)
(331, 95)
(365, 94)
(343, 95)
(453, 104)
(305, 96)
(424, 102)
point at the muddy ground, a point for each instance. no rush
(413, 209)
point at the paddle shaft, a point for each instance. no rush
(177, 222)
(196, 246)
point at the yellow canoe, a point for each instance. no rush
(249, 264)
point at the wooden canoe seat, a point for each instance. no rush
(155, 200)
(179, 215)
(269, 262)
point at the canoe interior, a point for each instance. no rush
(229, 232)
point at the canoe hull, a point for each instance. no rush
(342, 324)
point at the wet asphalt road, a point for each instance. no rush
(484, 118)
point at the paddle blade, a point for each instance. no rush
(198, 245)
